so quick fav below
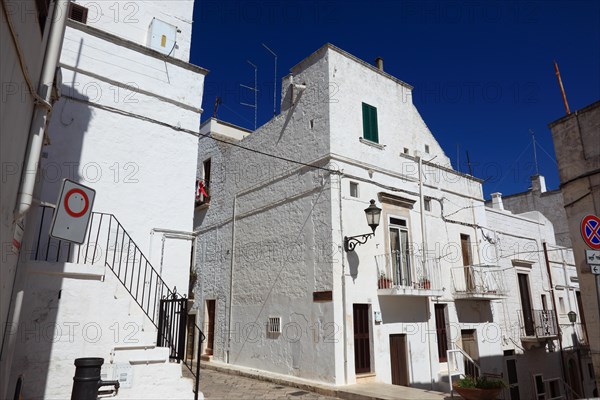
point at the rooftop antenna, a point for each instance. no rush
(274, 80)
(469, 163)
(562, 89)
(537, 171)
(255, 89)
(458, 157)
(218, 102)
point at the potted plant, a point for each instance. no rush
(478, 388)
(384, 282)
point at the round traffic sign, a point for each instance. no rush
(590, 231)
(76, 206)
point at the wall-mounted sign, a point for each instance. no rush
(73, 211)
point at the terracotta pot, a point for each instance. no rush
(477, 394)
(384, 283)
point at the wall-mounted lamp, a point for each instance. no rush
(373, 214)
(572, 316)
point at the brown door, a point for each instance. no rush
(526, 304)
(362, 340)
(440, 326)
(581, 315)
(399, 360)
(513, 378)
(191, 337)
(210, 331)
(469, 345)
(465, 245)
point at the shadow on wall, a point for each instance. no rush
(36, 334)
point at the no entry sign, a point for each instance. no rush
(73, 211)
(590, 231)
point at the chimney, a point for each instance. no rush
(379, 63)
(497, 201)
(538, 183)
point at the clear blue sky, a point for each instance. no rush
(482, 70)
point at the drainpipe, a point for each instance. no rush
(562, 361)
(231, 275)
(424, 244)
(41, 111)
(344, 325)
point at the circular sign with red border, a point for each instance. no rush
(86, 205)
(590, 231)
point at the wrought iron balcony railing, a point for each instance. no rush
(478, 282)
(404, 270)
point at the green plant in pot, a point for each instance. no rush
(478, 388)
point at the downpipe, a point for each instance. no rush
(41, 111)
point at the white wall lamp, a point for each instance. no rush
(373, 214)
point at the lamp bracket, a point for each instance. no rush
(351, 242)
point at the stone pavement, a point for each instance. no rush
(216, 385)
(220, 381)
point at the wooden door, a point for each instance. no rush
(210, 331)
(362, 340)
(526, 304)
(465, 246)
(399, 360)
(440, 326)
(513, 378)
(469, 345)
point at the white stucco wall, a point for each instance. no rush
(279, 206)
(131, 20)
(15, 117)
(126, 126)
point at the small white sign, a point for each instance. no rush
(72, 213)
(592, 257)
(595, 269)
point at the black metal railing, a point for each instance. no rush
(108, 243)
(538, 323)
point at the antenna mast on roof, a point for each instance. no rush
(562, 89)
(274, 80)
(218, 102)
(537, 171)
(255, 89)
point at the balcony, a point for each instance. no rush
(202, 193)
(478, 282)
(403, 273)
(537, 326)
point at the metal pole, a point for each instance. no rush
(198, 355)
(274, 80)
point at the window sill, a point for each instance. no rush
(373, 144)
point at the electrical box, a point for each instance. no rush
(124, 374)
(162, 37)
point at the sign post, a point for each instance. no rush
(73, 210)
(590, 232)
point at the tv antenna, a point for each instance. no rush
(274, 80)
(537, 171)
(255, 90)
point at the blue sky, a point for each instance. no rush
(482, 70)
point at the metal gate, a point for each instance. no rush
(172, 320)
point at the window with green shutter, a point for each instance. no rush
(370, 123)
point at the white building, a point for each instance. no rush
(442, 278)
(126, 126)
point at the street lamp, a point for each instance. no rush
(572, 317)
(373, 214)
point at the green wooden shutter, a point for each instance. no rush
(370, 131)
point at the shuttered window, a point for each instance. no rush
(370, 123)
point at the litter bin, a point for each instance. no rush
(87, 382)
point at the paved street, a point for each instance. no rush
(220, 386)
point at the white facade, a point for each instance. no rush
(126, 126)
(274, 227)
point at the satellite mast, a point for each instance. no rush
(274, 80)
(255, 89)
(537, 171)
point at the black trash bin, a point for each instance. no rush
(87, 382)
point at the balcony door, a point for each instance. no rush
(465, 246)
(400, 254)
(526, 304)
